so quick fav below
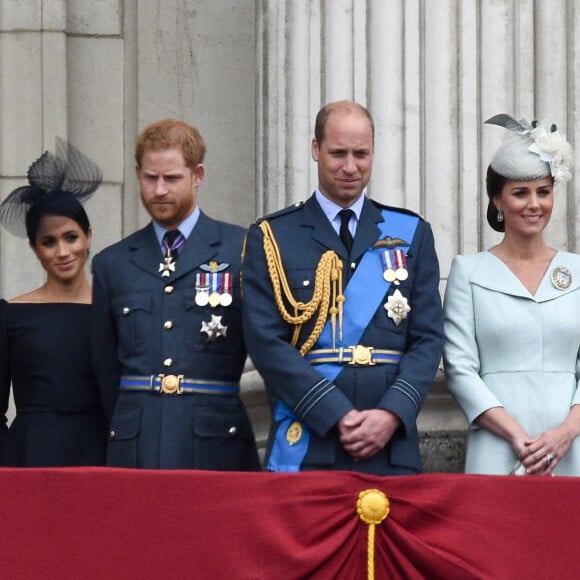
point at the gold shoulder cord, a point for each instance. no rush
(327, 297)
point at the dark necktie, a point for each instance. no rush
(344, 232)
(172, 241)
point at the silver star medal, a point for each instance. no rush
(214, 329)
(397, 307)
(167, 266)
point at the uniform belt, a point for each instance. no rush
(177, 385)
(358, 355)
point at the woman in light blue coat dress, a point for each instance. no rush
(512, 319)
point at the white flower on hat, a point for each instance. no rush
(549, 151)
(553, 148)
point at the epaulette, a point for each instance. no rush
(285, 211)
(399, 209)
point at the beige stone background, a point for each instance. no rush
(251, 74)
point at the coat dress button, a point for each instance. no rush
(168, 325)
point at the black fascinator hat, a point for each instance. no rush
(57, 184)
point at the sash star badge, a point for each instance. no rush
(397, 307)
(214, 329)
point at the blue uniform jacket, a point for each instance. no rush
(145, 324)
(303, 234)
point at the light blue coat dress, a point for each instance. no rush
(507, 347)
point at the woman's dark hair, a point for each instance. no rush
(494, 183)
(58, 204)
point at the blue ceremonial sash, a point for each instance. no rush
(364, 293)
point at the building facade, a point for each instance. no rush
(251, 75)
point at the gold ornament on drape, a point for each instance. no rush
(372, 507)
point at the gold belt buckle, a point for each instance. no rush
(171, 384)
(362, 355)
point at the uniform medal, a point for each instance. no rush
(214, 296)
(397, 307)
(226, 296)
(388, 270)
(167, 266)
(170, 248)
(214, 329)
(202, 289)
(401, 265)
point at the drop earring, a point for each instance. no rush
(500, 215)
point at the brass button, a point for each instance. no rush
(126, 310)
(167, 362)
(168, 325)
(168, 289)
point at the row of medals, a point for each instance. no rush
(203, 297)
(219, 296)
(396, 274)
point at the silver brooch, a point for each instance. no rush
(561, 277)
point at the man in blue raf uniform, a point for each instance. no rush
(342, 314)
(168, 346)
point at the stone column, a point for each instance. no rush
(62, 70)
(33, 110)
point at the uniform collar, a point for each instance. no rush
(185, 227)
(332, 210)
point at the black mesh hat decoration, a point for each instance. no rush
(67, 171)
(531, 151)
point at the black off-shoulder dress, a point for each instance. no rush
(44, 353)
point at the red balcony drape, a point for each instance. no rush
(116, 523)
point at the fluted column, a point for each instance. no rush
(33, 110)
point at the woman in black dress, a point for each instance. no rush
(44, 334)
